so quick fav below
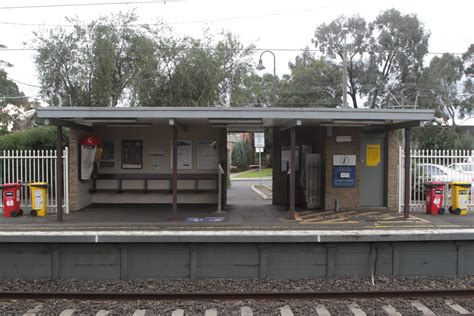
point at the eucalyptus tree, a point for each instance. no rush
(398, 45)
(440, 83)
(346, 35)
(385, 57)
(312, 82)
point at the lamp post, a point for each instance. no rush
(260, 66)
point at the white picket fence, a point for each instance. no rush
(37, 166)
(436, 165)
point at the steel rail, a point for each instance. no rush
(288, 295)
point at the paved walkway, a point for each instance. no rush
(240, 193)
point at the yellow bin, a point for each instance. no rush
(459, 197)
(38, 198)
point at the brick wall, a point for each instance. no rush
(348, 197)
(393, 142)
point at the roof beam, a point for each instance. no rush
(68, 124)
(402, 125)
(290, 124)
(180, 125)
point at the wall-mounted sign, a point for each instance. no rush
(132, 151)
(259, 140)
(343, 176)
(185, 154)
(344, 160)
(373, 155)
(207, 154)
(343, 139)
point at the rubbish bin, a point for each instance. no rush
(459, 197)
(434, 192)
(38, 198)
(11, 199)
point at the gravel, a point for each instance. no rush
(239, 285)
(259, 307)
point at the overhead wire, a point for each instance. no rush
(37, 6)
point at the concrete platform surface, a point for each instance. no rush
(239, 223)
(248, 217)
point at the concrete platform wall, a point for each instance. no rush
(245, 260)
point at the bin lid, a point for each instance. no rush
(10, 185)
(38, 184)
(431, 184)
(461, 183)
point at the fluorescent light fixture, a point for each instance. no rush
(128, 124)
(110, 119)
(235, 121)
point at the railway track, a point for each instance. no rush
(292, 295)
(360, 303)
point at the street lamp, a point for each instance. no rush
(260, 66)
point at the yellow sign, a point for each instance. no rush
(373, 155)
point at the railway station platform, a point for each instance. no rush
(255, 223)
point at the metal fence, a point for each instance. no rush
(435, 165)
(38, 166)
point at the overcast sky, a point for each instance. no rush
(271, 24)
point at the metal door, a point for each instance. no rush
(372, 171)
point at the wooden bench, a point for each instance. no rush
(145, 177)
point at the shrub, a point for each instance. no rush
(242, 155)
(40, 138)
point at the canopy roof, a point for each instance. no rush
(237, 119)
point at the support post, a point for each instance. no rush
(174, 179)
(292, 172)
(406, 201)
(59, 173)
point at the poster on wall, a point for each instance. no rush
(185, 157)
(108, 155)
(373, 155)
(286, 156)
(207, 154)
(132, 151)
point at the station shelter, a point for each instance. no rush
(323, 158)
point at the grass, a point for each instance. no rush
(266, 172)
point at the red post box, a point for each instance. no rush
(434, 191)
(11, 199)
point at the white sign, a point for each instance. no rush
(343, 139)
(344, 160)
(184, 154)
(207, 154)
(259, 140)
(259, 150)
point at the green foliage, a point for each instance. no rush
(437, 137)
(439, 86)
(384, 56)
(467, 103)
(242, 155)
(114, 59)
(41, 138)
(312, 82)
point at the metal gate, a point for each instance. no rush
(437, 165)
(38, 166)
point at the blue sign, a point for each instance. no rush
(343, 176)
